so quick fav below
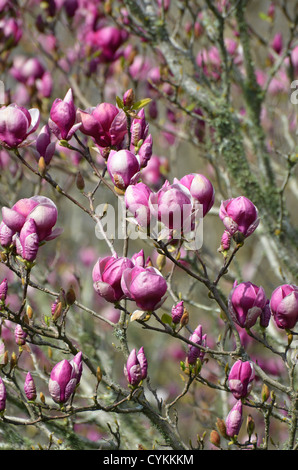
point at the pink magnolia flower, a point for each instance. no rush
(139, 128)
(246, 303)
(108, 40)
(145, 286)
(62, 121)
(2, 395)
(29, 387)
(194, 353)
(241, 378)
(177, 311)
(105, 123)
(6, 235)
(45, 146)
(234, 419)
(20, 335)
(172, 205)
(123, 168)
(136, 366)
(284, 306)
(39, 208)
(62, 382)
(239, 215)
(201, 190)
(107, 274)
(64, 378)
(136, 201)
(27, 242)
(3, 290)
(16, 124)
(27, 70)
(10, 32)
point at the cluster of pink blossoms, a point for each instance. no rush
(128, 153)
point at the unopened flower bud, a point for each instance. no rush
(225, 241)
(185, 318)
(265, 392)
(29, 387)
(135, 369)
(3, 290)
(56, 310)
(80, 181)
(234, 420)
(13, 360)
(42, 398)
(161, 262)
(215, 438)
(221, 426)
(42, 167)
(2, 395)
(128, 98)
(29, 312)
(241, 378)
(20, 335)
(177, 312)
(65, 377)
(250, 425)
(70, 296)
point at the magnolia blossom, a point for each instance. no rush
(241, 378)
(137, 202)
(123, 168)
(29, 387)
(198, 338)
(62, 121)
(234, 419)
(3, 290)
(177, 312)
(201, 190)
(17, 124)
(40, 209)
(172, 205)
(136, 366)
(239, 215)
(145, 286)
(107, 274)
(106, 124)
(2, 395)
(284, 306)
(246, 303)
(64, 378)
